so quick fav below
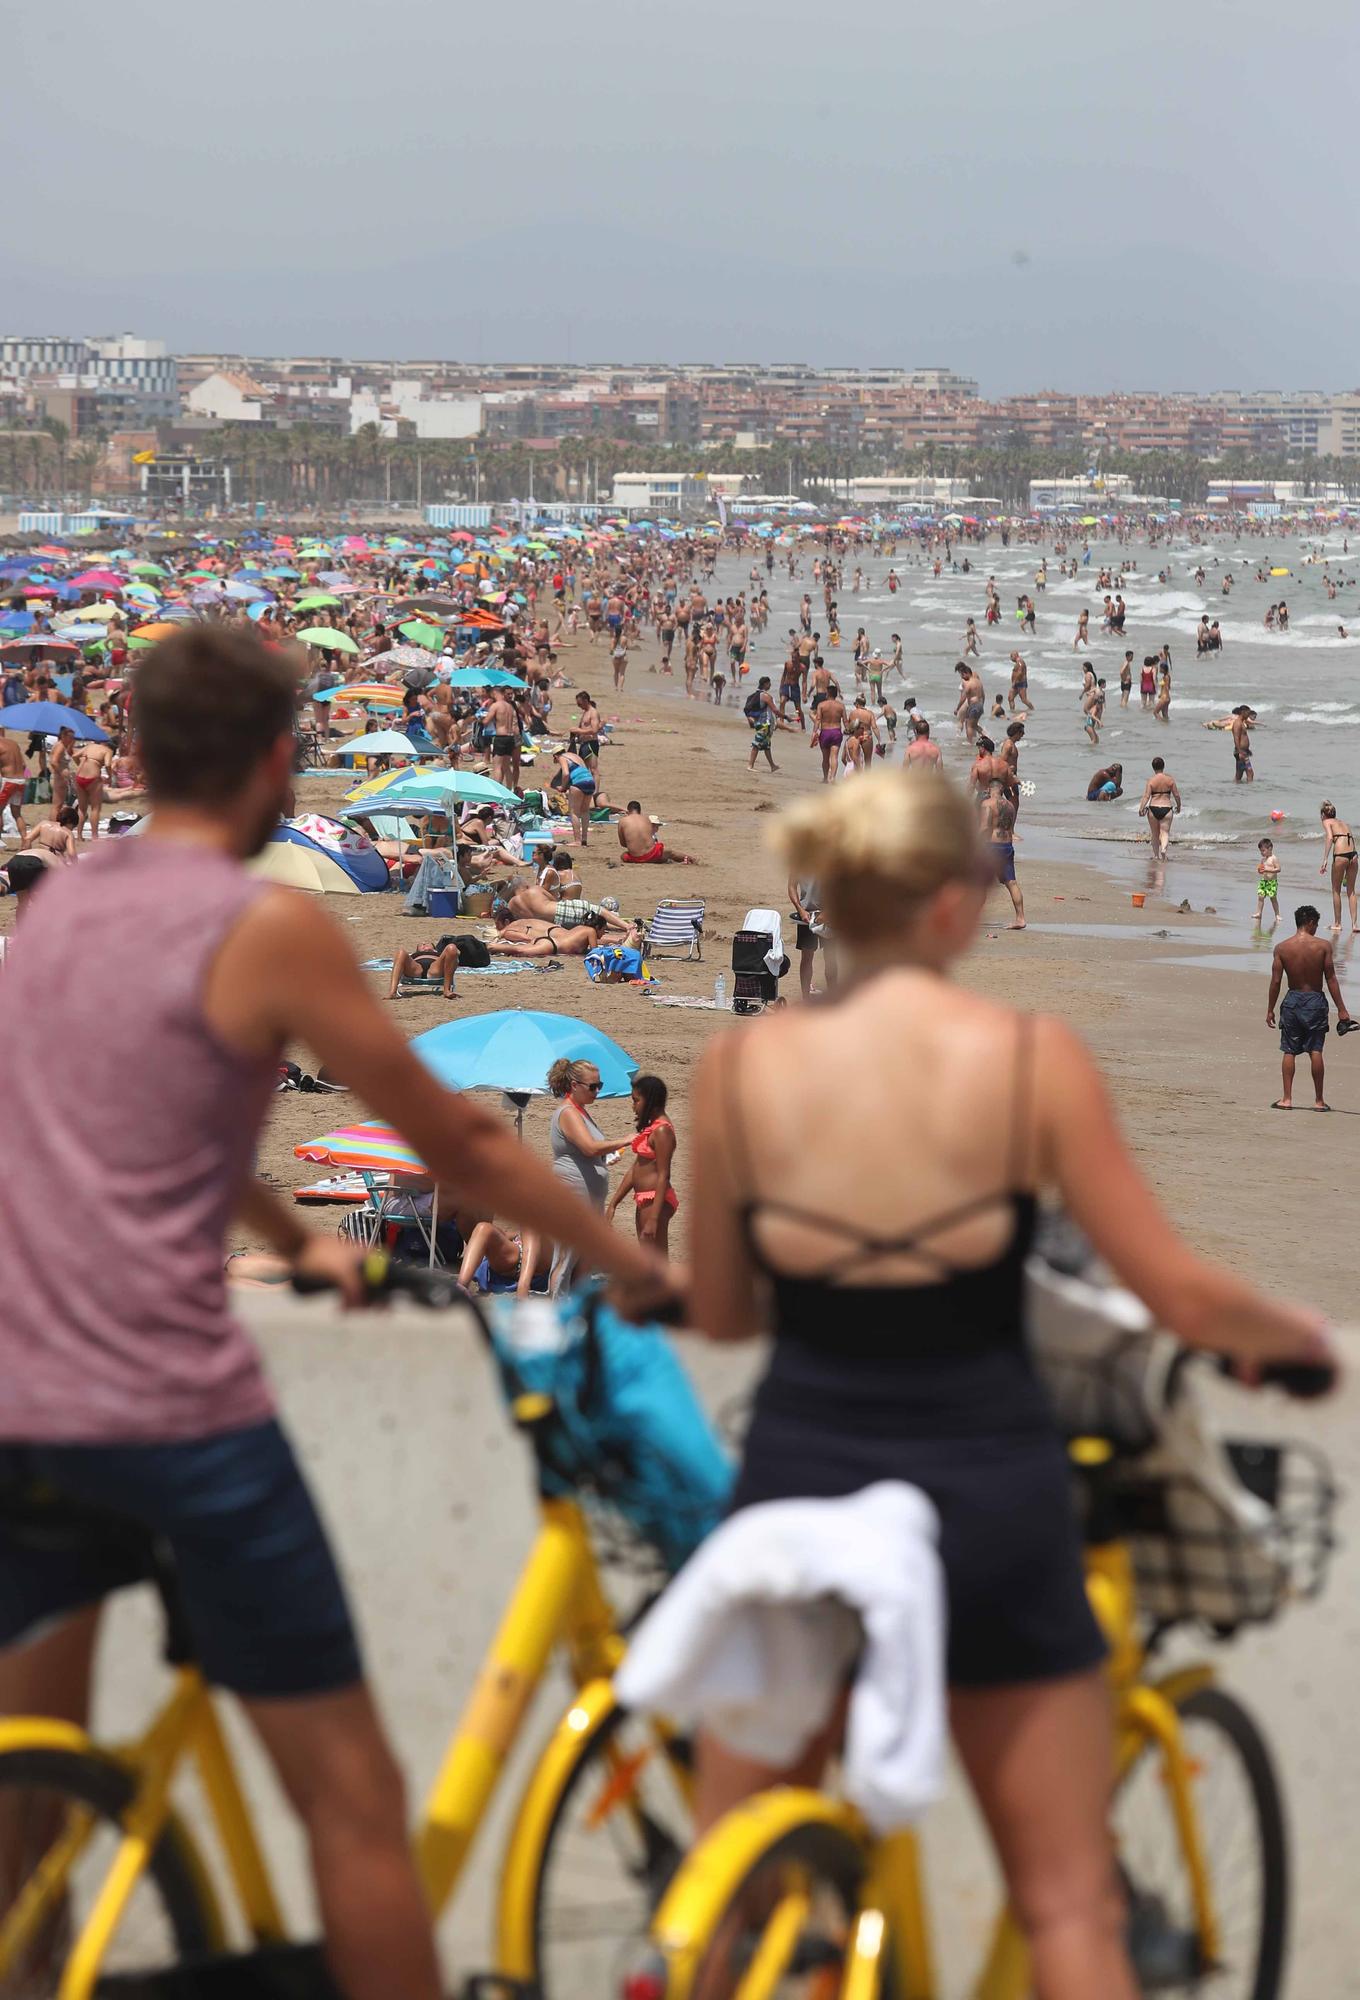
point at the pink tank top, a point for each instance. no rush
(128, 1130)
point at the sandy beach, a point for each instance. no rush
(1185, 1048)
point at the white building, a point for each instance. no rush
(429, 416)
(669, 493)
(227, 399)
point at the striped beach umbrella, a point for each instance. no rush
(362, 1149)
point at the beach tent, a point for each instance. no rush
(313, 852)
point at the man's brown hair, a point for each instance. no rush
(206, 706)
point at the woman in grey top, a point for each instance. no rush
(578, 1147)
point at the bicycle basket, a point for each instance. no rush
(627, 1434)
(1225, 1561)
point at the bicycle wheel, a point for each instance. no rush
(785, 1929)
(1241, 1825)
(60, 1825)
(620, 1829)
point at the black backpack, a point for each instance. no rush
(753, 705)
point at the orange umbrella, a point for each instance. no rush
(161, 628)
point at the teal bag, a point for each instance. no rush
(627, 1430)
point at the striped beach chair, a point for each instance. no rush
(678, 927)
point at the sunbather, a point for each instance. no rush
(526, 899)
(505, 1261)
(531, 937)
(425, 962)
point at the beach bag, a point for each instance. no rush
(617, 961)
(38, 791)
(627, 1434)
(1223, 1531)
(751, 708)
(472, 952)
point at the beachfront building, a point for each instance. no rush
(1091, 493)
(673, 494)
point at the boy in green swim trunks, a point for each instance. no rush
(1267, 880)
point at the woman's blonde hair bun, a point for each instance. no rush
(877, 842)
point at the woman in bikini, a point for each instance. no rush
(500, 1260)
(648, 1178)
(1339, 848)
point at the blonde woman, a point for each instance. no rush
(579, 1147)
(877, 1221)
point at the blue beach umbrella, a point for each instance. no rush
(49, 717)
(514, 1050)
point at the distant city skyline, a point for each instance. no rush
(1141, 198)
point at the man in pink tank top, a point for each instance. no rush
(134, 1091)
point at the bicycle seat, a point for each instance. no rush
(37, 1516)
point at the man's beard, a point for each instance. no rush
(269, 817)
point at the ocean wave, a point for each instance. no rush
(1322, 721)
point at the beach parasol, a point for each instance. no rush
(318, 600)
(376, 1149)
(471, 677)
(379, 743)
(420, 634)
(406, 791)
(513, 1051)
(49, 717)
(365, 694)
(326, 635)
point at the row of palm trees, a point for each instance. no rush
(316, 465)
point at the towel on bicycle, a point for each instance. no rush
(759, 1632)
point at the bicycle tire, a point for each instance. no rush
(833, 1860)
(108, 1790)
(1263, 1977)
(659, 1862)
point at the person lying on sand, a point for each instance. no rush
(530, 937)
(526, 899)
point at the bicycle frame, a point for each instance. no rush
(891, 1914)
(558, 1599)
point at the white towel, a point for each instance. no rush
(773, 923)
(756, 1635)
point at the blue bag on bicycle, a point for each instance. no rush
(626, 1429)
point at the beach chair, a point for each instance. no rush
(677, 927)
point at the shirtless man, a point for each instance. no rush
(1307, 962)
(91, 764)
(830, 733)
(639, 839)
(1161, 798)
(13, 779)
(1241, 749)
(585, 734)
(530, 937)
(503, 723)
(1339, 848)
(998, 828)
(1126, 679)
(527, 899)
(1019, 690)
(1105, 785)
(922, 754)
(972, 699)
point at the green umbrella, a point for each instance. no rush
(326, 635)
(423, 635)
(147, 569)
(318, 601)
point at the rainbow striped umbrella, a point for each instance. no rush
(362, 1148)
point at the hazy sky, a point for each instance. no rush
(1037, 192)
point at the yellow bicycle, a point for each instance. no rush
(790, 1894)
(107, 1890)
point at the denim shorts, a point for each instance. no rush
(257, 1582)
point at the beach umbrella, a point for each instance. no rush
(362, 1148)
(313, 852)
(471, 677)
(326, 635)
(49, 717)
(410, 791)
(318, 600)
(400, 656)
(99, 579)
(421, 634)
(514, 1050)
(42, 642)
(380, 743)
(367, 694)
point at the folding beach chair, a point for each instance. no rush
(678, 927)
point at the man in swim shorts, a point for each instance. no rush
(639, 839)
(1241, 739)
(1307, 961)
(1105, 785)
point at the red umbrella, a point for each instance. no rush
(99, 579)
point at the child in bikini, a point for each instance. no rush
(1267, 880)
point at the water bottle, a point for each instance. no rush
(720, 993)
